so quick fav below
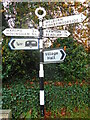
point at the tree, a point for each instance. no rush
(24, 14)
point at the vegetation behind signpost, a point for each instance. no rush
(66, 83)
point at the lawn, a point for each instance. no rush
(62, 99)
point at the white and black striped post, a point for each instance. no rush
(41, 71)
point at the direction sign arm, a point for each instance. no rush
(21, 32)
(55, 33)
(54, 56)
(64, 20)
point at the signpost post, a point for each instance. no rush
(41, 71)
(47, 56)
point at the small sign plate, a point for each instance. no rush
(24, 44)
(54, 56)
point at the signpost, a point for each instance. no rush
(54, 56)
(24, 44)
(21, 32)
(47, 56)
(64, 20)
(55, 33)
(47, 43)
(41, 71)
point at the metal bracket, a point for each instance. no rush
(41, 32)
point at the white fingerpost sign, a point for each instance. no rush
(55, 33)
(38, 42)
(47, 43)
(64, 20)
(21, 32)
(54, 56)
(24, 44)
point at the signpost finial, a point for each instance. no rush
(40, 16)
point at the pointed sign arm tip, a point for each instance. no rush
(83, 17)
(4, 31)
(63, 54)
(11, 44)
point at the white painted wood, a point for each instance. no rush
(21, 32)
(41, 97)
(41, 71)
(64, 20)
(55, 33)
(24, 44)
(54, 56)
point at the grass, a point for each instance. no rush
(62, 100)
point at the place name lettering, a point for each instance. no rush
(18, 44)
(51, 53)
(60, 21)
(50, 58)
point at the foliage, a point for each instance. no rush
(75, 65)
(18, 63)
(26, 63)
(22, 97)
(19, 98)
(20, 68)
(24, 14)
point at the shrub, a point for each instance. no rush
(75, 65)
